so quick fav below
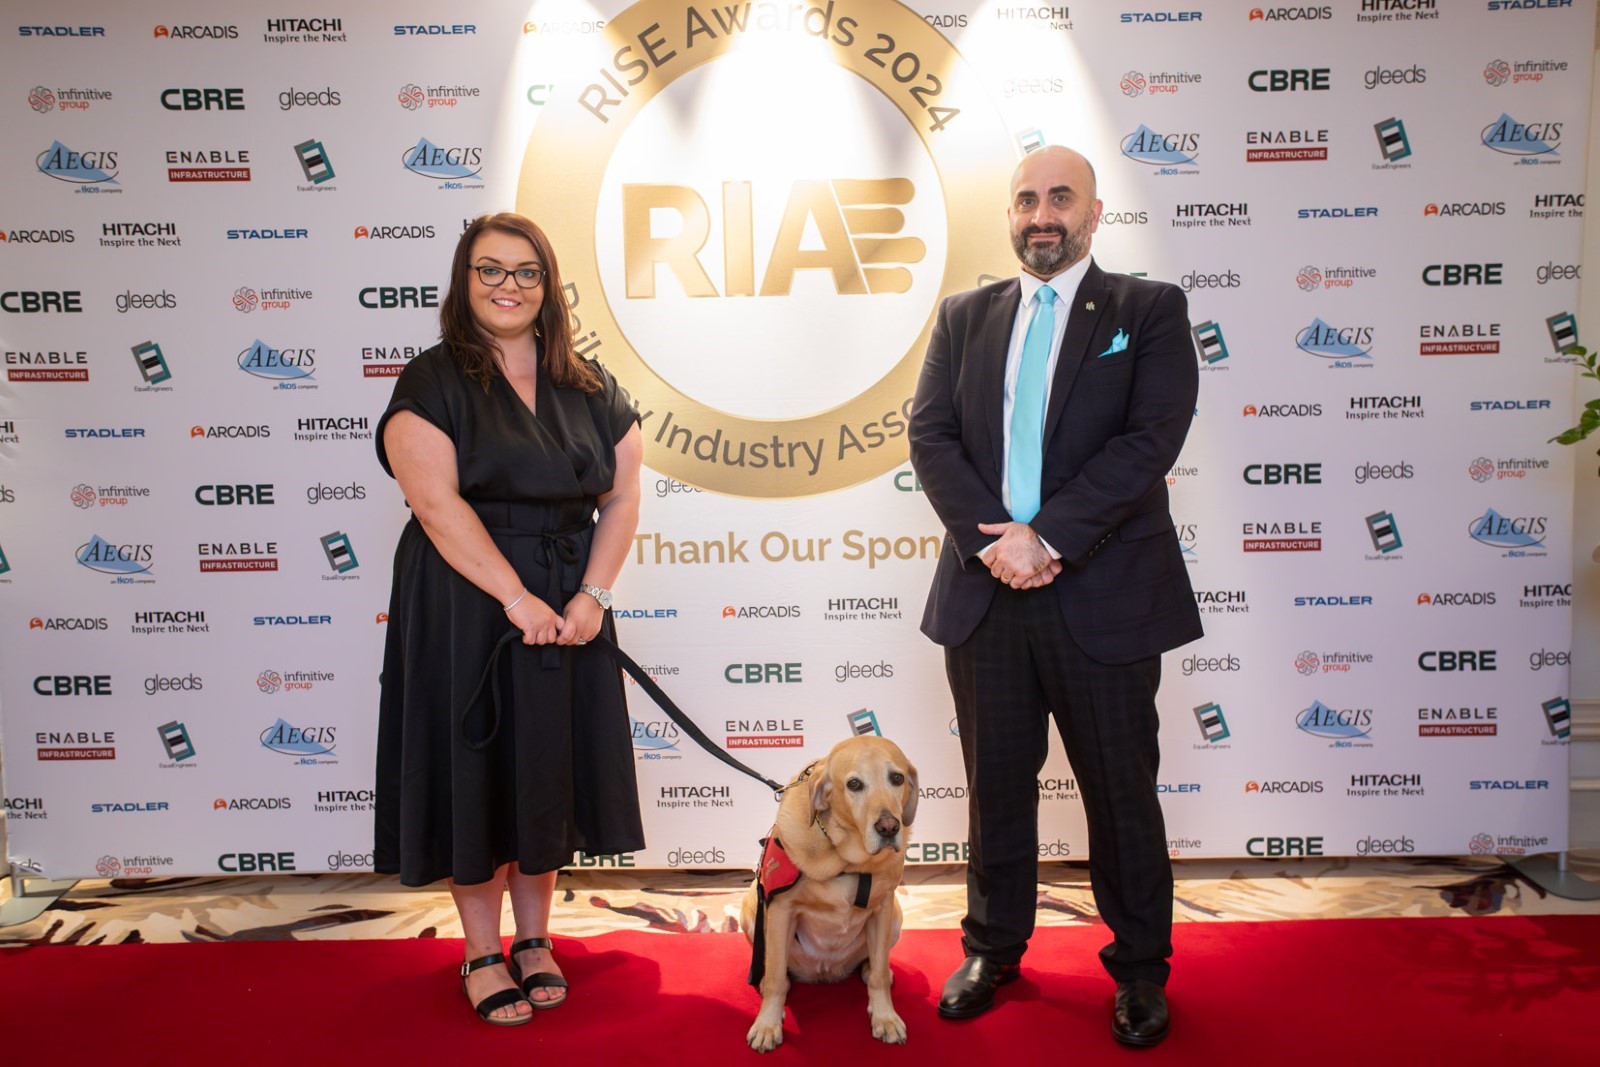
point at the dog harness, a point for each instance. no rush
(777, 874)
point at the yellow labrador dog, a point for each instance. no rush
(823, 902)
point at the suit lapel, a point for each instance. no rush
(1089, 307)
(994, 341)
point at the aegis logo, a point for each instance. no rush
(451, 165)
(1316, 79)
(1342, 343)
(277, 364)
(654, 737)
(828, 207)
(1169, 151)
(91, 168)
(1510, 137)
(385, 297)
(1340, 724)
(1462, 274)
(1511, 532)
(122, 561)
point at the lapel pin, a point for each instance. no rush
(1089, 306)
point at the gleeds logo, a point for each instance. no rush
(92, 170)
(1518, 536)
(453, 167)
(287, 368)
(1529, 142)
(1170, 153)
(1348, 347)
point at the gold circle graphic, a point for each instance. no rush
(655, 42)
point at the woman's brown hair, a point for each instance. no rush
(474, 348)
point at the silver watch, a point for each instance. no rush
(602, 596)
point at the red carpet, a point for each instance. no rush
(1457, 991)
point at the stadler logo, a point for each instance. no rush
(1337, 213)
(92, 169)
(453, 167)
(61, 31)
(1518, 535)
(1146, 17)
(1340, 724)
(1526, 140)
(286, 366)
(435, 29)
(287, 234)
(1172, 153)
(1342, 344)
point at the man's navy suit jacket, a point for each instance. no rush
(1116, 420)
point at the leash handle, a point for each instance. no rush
(491, 677)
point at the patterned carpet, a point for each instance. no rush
(364, 906)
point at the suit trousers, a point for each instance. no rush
(1019, 668)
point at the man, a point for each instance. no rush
(1049, 410)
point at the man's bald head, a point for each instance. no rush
(1053, 210)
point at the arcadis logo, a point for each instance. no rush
(196, 33)
(1291, 14)
(91, 169)
(1345, 345)
(453, 167)
(288, 367)
(1526, 140)
(1171, 153)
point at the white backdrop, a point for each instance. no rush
(224, 236)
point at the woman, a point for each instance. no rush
(496, 764)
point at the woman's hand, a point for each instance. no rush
(582, 620)
(538, 623)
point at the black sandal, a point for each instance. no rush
(492, 1003)
(538, 979)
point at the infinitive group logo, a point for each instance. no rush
(1498, 72)
(43, 99)
(1484, 469)
(1312, 278)
(414, 97)
(85, 496)
(1157, 83)
(247, 298)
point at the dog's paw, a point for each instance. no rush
(764, 1036)
(890, 1029)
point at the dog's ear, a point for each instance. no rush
(822, 788)
(908, 813)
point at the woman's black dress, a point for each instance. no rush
(556, 775)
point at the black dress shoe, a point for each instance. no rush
(1139, 1016)
(970, 991)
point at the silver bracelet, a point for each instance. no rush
(515, 602)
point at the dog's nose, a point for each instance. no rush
(887, 825)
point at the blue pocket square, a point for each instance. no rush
(1118, 343)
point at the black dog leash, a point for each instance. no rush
(491, 677)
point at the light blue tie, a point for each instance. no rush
(1027, 409)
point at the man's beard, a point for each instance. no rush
(1046, 260)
